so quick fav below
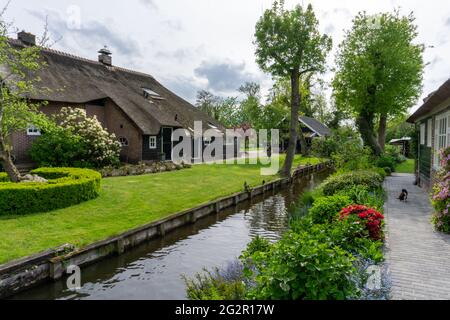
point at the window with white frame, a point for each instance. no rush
(429, 133)
(123, 141)
(33, 131)
(442, 136)
(422, 133)
(152, 142)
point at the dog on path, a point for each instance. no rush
(403, 196)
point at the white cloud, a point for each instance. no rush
(171, 39)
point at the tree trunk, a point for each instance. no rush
(8, 165)
(293, 133)
(382, 131)
(365, 126)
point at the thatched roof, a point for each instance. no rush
(315, 126)
(432, 101)
(73, 79)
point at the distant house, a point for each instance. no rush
(311, 128)
(433, 122)
(403, 144)
(133, 105)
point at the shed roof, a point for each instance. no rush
(71, 79)
(433, 100)
(316, 126)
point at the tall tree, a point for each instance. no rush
(289, 44)
(380, 71)
(250, 106)
(17, 78)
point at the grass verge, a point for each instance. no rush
(125, 203)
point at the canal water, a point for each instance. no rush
(154, 270)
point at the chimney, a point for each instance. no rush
(28, 39)
(105, 56)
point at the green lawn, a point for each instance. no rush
(125, 203)
(405, 167)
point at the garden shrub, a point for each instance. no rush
(325, 209)
(441, 194)
(4, 177)
(372, 219)
(300, 267)
(77, 140)
(360, 194)
(65, 187)
(385, 161)
(370, 179)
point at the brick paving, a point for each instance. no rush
(418, 258)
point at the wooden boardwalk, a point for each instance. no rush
(418, 257)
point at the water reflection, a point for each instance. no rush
(153, 270)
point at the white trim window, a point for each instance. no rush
(422, 134)
(429, 133)
(442, 136)
(33, 131)
(123, 141)
(152, 142)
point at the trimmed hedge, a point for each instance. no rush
(65, 187)
(370, 179)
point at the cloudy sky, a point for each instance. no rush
(207, 44)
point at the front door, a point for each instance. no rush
(166, 144)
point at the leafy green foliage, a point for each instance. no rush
(4, 177)
(338, 182)
(345, 148)
(301, 267)
(214, 286)
(379, 70)
(290, 40)
(65, 187)
(58, 147)
(385, 161)
(360, 194)
(325, 209)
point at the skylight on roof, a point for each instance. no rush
(150, 92)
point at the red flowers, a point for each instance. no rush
(372, 218)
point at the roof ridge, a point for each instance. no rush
(80, 58)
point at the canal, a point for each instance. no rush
(154, 270)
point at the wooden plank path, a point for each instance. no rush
(418, 257)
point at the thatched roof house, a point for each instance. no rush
(133, 105)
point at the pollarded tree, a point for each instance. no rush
(379, 72)
(289, 44)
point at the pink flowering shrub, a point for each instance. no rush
(441, 194)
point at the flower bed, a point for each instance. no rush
(141, 168)
(65, 187)
(441, 194)
(372, 219)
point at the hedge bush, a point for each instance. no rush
(65, 187)
(370, 179)
(4, 177)
(301, 267)
(325, 209)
